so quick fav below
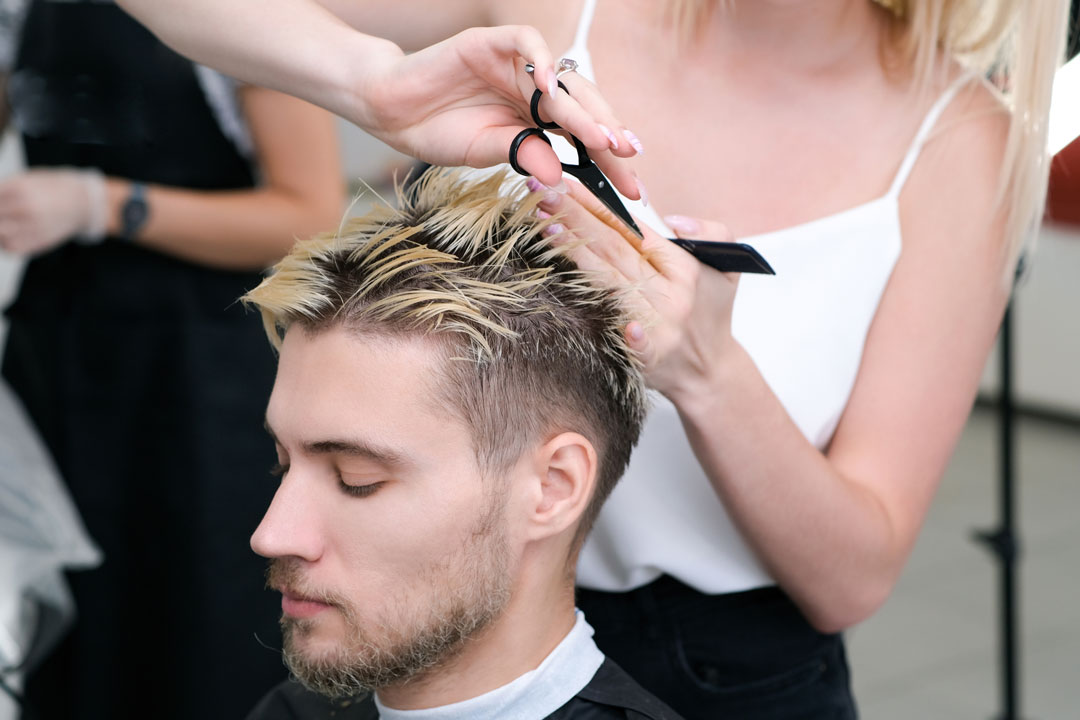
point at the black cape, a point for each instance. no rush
(610, 695)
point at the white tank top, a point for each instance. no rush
(804, 328)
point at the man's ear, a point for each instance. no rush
(564, 478)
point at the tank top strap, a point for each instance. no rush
(924, 131)
(581, 35)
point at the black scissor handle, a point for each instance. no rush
(534, 108)
(584, 160)
(516, 144)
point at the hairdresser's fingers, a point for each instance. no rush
(525, 43)
(690, 228)
(606, 235)
(594, 131)
(491, 146)
(588, 96)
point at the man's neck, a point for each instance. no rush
(533, 624)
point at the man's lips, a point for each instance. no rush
(298, 606)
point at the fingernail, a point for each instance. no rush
(560, 188)
(534, 185)
(552, 82)
(552, 198)
(610, 136)
(641, 190)
(683, 224)
(542, 215)
(554, 229)
(634, 141)
(636, 331)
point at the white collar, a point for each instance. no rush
(532, 696)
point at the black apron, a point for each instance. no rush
(610, 695)
(148, 382)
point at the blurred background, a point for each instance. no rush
(934, 650)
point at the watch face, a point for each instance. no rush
(134, 215)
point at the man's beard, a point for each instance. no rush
(465, 594)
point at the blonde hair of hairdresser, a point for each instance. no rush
(1020, 44)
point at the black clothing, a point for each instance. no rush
(748, 655)
(610, 695)
(148, 383)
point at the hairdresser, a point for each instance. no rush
(803, 421)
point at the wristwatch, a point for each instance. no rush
(134, 213)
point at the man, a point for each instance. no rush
(454, 401)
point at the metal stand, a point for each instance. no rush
(1003, 542)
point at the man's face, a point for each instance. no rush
(387, 545)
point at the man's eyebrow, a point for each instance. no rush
(357, 448)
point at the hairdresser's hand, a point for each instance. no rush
(463, 100)
(41, 208)
(682, 308)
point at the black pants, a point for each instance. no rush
(749, 655)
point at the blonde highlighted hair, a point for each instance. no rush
(530, 343)
(1018, 44)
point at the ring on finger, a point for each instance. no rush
(566, 65)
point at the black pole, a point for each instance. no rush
(1003, 542)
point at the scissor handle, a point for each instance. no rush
(516, 144)
(534, 108)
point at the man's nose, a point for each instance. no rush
(291, 526)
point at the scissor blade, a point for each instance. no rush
(600, 187)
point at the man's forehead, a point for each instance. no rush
(337, 375)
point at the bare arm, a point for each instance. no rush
(460, 101)
(303, 192)
(412, 24)
(246, 229)
(835, 530)
(296, 46)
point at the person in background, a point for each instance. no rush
(803, 421)
(156, 191)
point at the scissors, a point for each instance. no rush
(723, 256)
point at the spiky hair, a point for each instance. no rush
(532, 343)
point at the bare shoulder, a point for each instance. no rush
(954, 187)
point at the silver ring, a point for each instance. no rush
(566, 65)
(529, 68)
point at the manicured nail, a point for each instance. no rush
(542, 215)
(552, 198)
(641, 190)
(552, 82)
(554, 229)
(534, 185)
(682, 224)
(560, 188)
(636, 331)
(634, 141)
(610, 136)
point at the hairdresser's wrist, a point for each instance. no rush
(360, 87)
(701, 395)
